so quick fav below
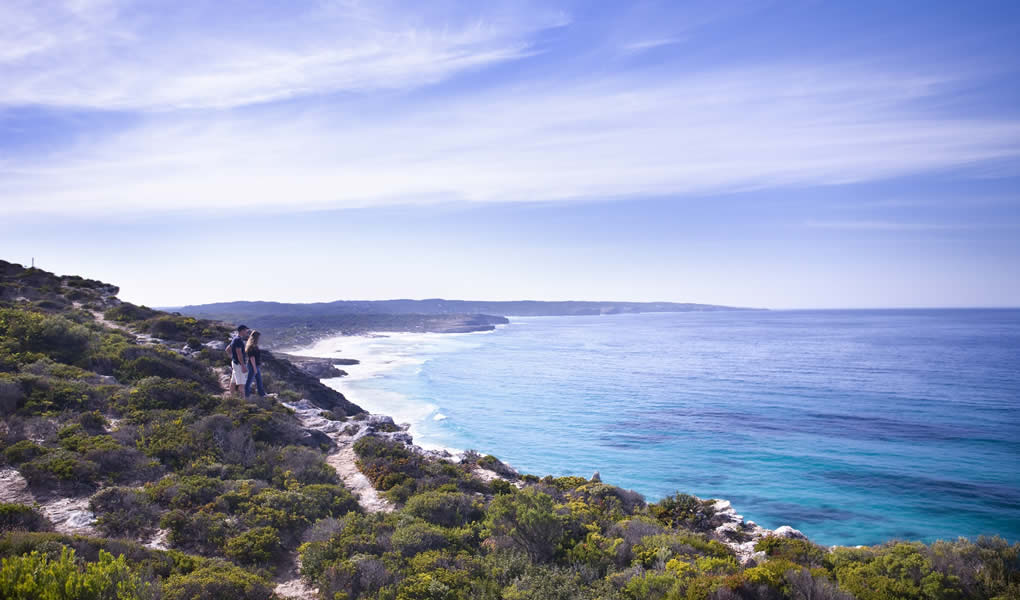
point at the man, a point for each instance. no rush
(238, 360)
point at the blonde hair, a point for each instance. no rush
(253, 341)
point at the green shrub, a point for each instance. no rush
(306, 466)
(801, 552)
(683, 511)
(185, 491)
(256, 546)
(527, 521)
(900, 570)
(167, 394)
(61, 466)
(501, 486)
(23, 451)
(369, 447)
(448, 509)
(53, 336)
(293, 510)
(415, 537)
(393, 468)
(46, 367)
(218, 580)
(492, 463)
(52, 304)
(803, 583)
(174, 444)
(437, 584)
(76, 439)
(11, 394)
(125, 312)
(201, 531)
(284, 511)
(124, 511)
(124, 465)
(9, 361)
(603, 502)
(596, 551)
(360, 577)
(21, 518)
(565, 483)
(325, 500)
(651, 585)
(690, 546)
(179, 328)
(988, 567)
(47, 394)
(356, 534)
(39, 577)
(93, 421)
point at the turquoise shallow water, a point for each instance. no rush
(852, 426)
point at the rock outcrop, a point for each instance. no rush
(319, 368)
(741, 536)
(309, 387)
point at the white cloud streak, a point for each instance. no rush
(642, 45)
(102, 54)
(649, 132)
(699, 134)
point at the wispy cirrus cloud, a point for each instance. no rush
(309, 105)
(642, 45)
(721, 131)
(894, 226)
(109, 54)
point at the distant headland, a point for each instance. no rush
(291, 324)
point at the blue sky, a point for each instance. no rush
(775, 154)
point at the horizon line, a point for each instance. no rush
(727, 306)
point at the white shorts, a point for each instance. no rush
(239, 377)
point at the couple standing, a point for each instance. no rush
(245, 361)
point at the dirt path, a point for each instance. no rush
(289, 583)
(343, 460)
(105, 323)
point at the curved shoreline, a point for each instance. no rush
(731, 528)
(791, 491)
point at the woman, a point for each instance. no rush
(251, 350)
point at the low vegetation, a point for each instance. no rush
(237, 488)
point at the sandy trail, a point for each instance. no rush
(345, 462)
(289, 583)
(343, 459)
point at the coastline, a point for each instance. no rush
(379, 354)
(766, 457)
(729, 527)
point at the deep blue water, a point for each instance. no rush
(853, 426)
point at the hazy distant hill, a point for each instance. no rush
(438, 306)
(297, 324)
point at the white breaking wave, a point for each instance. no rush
(382, 354)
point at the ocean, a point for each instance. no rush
(855, 427)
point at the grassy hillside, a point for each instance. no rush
(126, 471)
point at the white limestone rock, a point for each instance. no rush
(789, 532)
